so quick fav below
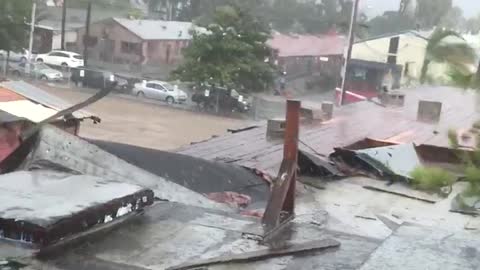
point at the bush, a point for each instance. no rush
(431, 179)
(472, 175)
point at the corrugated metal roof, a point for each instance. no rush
(350, 124)
(307, 45)
(37, 95)
(158, 30)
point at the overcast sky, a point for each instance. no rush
(470, 7)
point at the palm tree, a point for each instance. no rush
(457, 55)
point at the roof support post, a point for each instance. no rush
(281, 205)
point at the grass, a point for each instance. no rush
(432, 179)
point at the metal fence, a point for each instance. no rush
(127, 85)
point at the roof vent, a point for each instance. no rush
(327, 110)
(275, 129)
(180, 33)
(429, 111)
(164, 27)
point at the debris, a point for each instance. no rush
(473, 224)
(232, 199)
(233, 131)
(319, 218)
(252, 213)
(412, 194)
(391, 222)
(290, 248)
(315, 165)
(393, 161)
(366, 215)
(313, 182)
(41, 208)
(465, 205)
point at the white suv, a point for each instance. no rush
(61, 58)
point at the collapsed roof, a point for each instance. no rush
(350, 124)
(26, 101)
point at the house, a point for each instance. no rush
(47, 35)
(307, 54)
(126, 41)
(405, 48)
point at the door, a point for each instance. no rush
(63, 58)
(150, 90)
(162, 92)
(52, 58)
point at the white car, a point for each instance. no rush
(61, 58)
(160, 90)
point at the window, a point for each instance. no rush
(151, 85)
(393, 50)
(59, 54)
(131, 47)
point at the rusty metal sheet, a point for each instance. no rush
(350, 124)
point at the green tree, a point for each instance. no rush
(389, 22)
(13, 24)
(472, 25)
(453, 19)
(233, 52)
(430, 12)
(455, 53)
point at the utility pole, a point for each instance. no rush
(86, 37)
(351, 38)
(64, 15)
(30, 41)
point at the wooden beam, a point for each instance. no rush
(260, 254)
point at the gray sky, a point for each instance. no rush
(470, 7)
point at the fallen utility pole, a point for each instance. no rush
(351, 38)
(281, 205)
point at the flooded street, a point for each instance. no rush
(145, 124)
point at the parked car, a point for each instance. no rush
(229, 100)
(37, 70)
(61, 58)
(20, 56)
(160, 90)
(97, 79)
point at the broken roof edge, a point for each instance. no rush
(40, 96)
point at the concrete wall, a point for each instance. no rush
(70, 37)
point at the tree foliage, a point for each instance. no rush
(456, 54)
(13, 24)
(431, 12)
(231, 53)
(389, 22)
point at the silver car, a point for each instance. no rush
(161, 91)
(38, 71)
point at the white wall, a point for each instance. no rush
(70, 36)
